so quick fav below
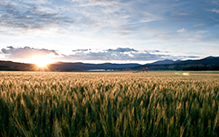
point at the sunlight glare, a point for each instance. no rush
(41, 61)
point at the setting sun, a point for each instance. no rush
(41, 61)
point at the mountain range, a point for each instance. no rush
(208, 63)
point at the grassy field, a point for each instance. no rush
(109, 104)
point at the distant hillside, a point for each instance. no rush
(207, 60)
(208, 63)
(162, 62)
(16, 66)
(62, 66)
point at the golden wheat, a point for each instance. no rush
(109, 104)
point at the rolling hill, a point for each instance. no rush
(208, 63)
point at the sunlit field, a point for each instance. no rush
(108, 104)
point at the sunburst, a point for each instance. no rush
(41, 61)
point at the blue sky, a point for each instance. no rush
(120, 31)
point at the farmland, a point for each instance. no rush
(116, 104)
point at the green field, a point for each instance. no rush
(116, 104)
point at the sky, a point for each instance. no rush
(117, 31)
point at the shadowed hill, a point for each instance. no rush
(16, 66)
(208, 63)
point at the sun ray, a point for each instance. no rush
(41, 61)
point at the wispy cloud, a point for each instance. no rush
(181, 30)
(36, 1)
(80, 50)
(215, 10)
(122, 50)
(106, 16)
(19, 16)
(108, 24)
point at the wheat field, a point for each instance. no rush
(108, 104)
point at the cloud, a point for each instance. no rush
(80, 50)
(91, 3)
(118, 54)
(181, 30)
(26, 17)
(35, 1)
(123, 54)
(155, 51)
(122, 50)
(121, 17)
(215, 10)
(109, 24)
(26, 52)
(202, 31)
